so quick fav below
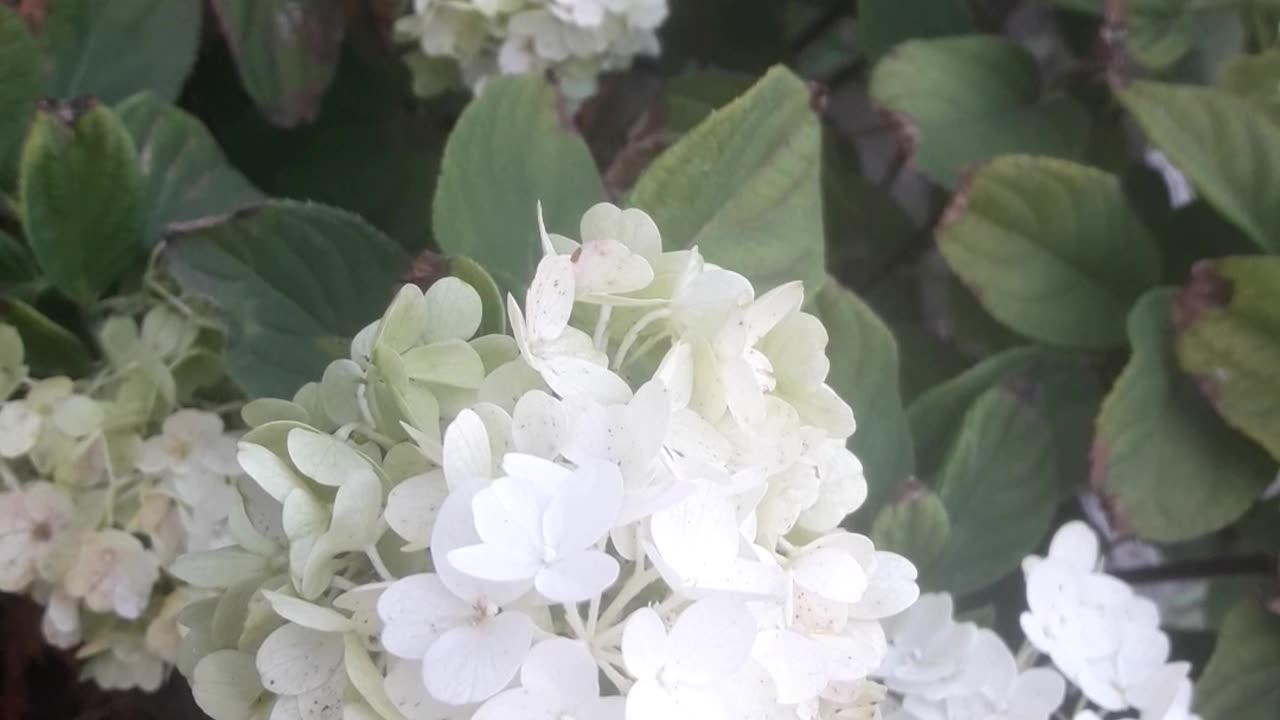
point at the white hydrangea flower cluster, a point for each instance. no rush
(469, 41)
(93, 509)
(629, 508)
(1102, 637)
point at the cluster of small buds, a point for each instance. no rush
(469, 41)
(105, 484)
(1099, 635)
(628, 508)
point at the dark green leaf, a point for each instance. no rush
(286, 52)
(883, 24)
(969, 99)
(1242, 679)
(511, 149)
(50, 348)
(1051, 249)
(1168, 467)
(21, 84)
(999, 488)
(82, 200)
(864, 371)
(296, 282)
(184, 172)
(1229, 150)
(16, 264)
(744, 186)
(915, 527)
(111, 50)
(1053, 384)
(1228, 324)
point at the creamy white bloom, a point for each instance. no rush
(33, 520)
(113, 573)
(473, 40)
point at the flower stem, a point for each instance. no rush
(378, 565)
(633, 334)
(601, 337)
(629, 590)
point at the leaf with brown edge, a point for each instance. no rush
(1228, 324)
(1166, 465)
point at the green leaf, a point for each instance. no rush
(916, 527)
(111, 50)
(969, 99)
(691, 97)
(286, 52)
(185, 174)
(1093, 7)
(883, 24)
(1167, 466)
(1228, 324)
(296, 281)
(512, 148)
(50, 348)
(1229, 151)
(82, 200)
(493, 318)
(1051, 249)
(1242, 679)
(864, 371)
(999, 489)
(17, 267)
(1255, 78)
(1054, 383)
(744, 186)
(21, 84)
(1160, 32)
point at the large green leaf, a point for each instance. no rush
(744, 186)
(17, 267)
(1228, 324)
(1160, 32)
(1229, 150)
(885, 23)
(692, 96)
(511, 149)
(21, 85)
(296, 282)
(1053, 384)
(915, 526)
(864, 371)
(1256, 78)
(114, 49)
(81, 194)
(1051, 248)
(969, 99)
(999, 486)
(286, 52)
(186, 176)
(1168, 467)
(1242, 679)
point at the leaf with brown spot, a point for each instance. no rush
(1228, 322)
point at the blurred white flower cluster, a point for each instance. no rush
(105, 483)
(1102, 637)
(628, 508)
(468, 41)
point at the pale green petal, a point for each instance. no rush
(454, 310)
(226, 685)
(447, 362)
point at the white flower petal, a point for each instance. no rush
(644, 643)
(473, 662)
(710, 640)
(538, 424)
(550, 299)
(577, 576)
(830, 573)
(415, 611)
(413, 504)
(294, 659)
(562, 670)
(584, 508)
(467, 454)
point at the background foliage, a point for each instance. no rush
(1027, 325)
